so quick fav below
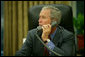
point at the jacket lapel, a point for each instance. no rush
(57, 37)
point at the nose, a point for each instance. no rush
(39, 20)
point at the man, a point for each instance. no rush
(56, 38)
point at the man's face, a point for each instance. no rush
(44, 17)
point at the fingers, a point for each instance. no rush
(46, 30)
(46, 26)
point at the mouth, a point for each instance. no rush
(40, 24)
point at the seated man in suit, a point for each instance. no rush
(58, 39)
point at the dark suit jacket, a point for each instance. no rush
(63, 40)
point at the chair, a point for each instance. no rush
(66, 20)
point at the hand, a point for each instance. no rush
(46, 31)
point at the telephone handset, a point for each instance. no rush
(52, 24)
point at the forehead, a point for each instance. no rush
(45, 11)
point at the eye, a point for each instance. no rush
(43, 17)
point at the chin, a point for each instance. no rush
(40, 25)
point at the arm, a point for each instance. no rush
(66, 49)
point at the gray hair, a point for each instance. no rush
(55, 13)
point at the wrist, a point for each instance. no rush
(48, 40)
(44, 38)
(45, 35)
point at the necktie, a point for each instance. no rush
(46, 53)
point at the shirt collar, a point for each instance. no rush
(53, 34)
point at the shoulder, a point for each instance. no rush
(32, 31)
(66, 33)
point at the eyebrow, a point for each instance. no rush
(42, 15)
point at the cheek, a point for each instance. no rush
(47, 21)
